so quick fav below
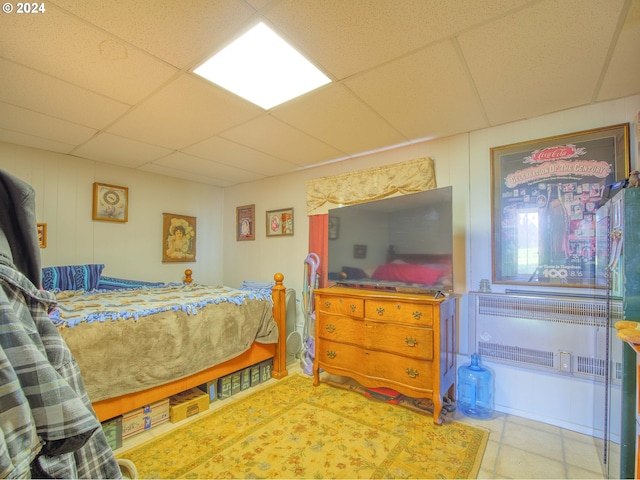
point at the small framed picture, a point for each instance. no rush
(110, 203)
(334, 228)
(42, 235)
(280, 222)
(245, 223)
(359, 251)
(178, 238)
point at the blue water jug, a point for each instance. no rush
(475, 389)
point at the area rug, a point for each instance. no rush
(292, 429)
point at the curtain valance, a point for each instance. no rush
(369, 184)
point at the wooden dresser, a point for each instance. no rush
(402, 341)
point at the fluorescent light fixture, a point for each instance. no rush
(262, 68)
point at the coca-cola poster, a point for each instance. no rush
(545, 197)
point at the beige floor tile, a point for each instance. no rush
(579, 473)
(516, 463)
(583, 455)
(525, 422)
(490, 457)
(530, 438)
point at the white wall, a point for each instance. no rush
(64, 189)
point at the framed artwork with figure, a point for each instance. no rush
(545, 196)
(245, 223)
(178, 238)
(280, 222)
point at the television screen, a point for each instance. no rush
(402, 243)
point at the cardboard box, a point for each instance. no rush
(187, 404)
(145, 418)
(265, 370)
(113, 431)
(255, 374)
(245, 379)
(224, 387)
(210, 388)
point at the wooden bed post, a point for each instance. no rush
(279, 295)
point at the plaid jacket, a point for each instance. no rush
(47, 425)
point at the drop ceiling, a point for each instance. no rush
(113, 82)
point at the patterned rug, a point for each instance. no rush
(292, 429)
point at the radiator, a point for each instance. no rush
(560, 335)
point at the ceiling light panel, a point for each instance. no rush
(262, 68)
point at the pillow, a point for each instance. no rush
(72, 277)
(354, 273)
(114, 283)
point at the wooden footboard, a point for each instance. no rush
(112, 407)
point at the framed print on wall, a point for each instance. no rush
(110, 202)
(280, 222)
(334, 228)
(545, 196)
(178, 238)
(42, 235)
(245, 223)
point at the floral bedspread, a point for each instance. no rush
(125, 341)
(75, 307)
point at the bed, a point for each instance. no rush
(140, 342)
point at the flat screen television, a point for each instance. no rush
(402, 243)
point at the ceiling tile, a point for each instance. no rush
(345, 37)
(194, 165)
(428, 91)
(275, 138)
(83, 55)
(335, 116)
(192, 177)
(116, 150)
(229, 153)
(42, 93)
(532, 62)
(623, 74)
(32, 123)
(33, 141)
(186, 111)
(177, 32)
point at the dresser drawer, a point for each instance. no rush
(396, 311)
(341, 305)
(411, 372)
(341, 329)
(340, 355)
(415, 342)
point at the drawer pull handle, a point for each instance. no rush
(380, 311)
(331, 328)
(412, 342)
(327, 304)
(417, 315)
(331, 354)
(412, 373)
(353, 308)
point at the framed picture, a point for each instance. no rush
(359, 251)
(334, 228)
(110, 202)
(280, 222)
(545, 196)
(245, 223)
(178, 238)
(42, 235)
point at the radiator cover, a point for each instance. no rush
(560, 335)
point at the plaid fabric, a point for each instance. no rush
(70, 443)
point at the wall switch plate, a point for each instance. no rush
(565, 362)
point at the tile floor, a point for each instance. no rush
(518, 448)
